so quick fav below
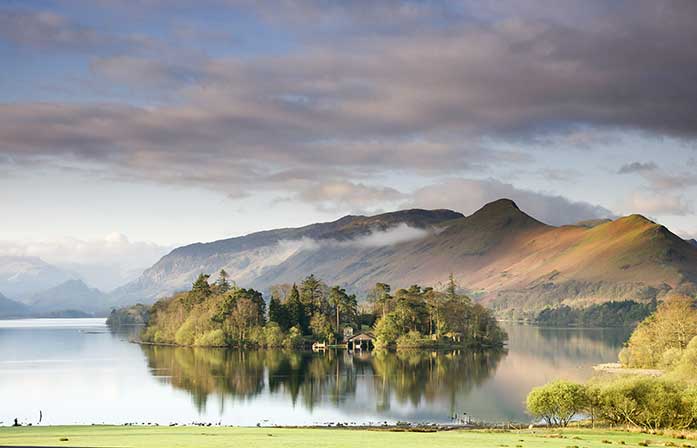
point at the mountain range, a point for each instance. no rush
(23, 276)
(30, 287)
(504, 257)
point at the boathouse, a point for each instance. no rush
(361, 341)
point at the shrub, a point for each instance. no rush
(687, 364)
(650, 403)
(294, 338)
(186, 333)
(213, 338)
(410, 340)
(273, 335)
(387, 330)
(557, 402)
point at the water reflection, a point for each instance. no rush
(77, 372)
(405, 378)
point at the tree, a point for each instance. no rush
(557, 402)
(321, 327)
(278, 313)
(387, 330)
(222, 284)
(201, 286)
(671, 327)
(343, 304)
(380, 296)
(200, 291)
(296, 311)
(312, 295)
(244, 316)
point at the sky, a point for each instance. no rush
(128, 128)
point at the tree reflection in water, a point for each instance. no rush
(333, 377)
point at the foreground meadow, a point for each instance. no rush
(120, 436)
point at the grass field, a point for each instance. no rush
(119, 436)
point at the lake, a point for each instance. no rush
(75, 371)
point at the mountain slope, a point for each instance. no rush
(70, 295)
(249, 257)
(510, 260)
(10, 308)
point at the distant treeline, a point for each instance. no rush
(609, 314)
(133, 315)
(223, 314)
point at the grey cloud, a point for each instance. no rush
(49, 31)
(468, 195)
(636, 167)
(353, 106)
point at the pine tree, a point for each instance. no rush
(278, 313)
(222, 284)
(296, 310)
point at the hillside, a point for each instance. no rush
(72, 295)
(10, 308)
(250, 258)
(507, 258)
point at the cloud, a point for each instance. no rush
(659, 179)
(649, 203)
(104, 263)
(468, 195)
(47, 30)
(636, 167)
(407, 87)
(398, 234)
(343, 195)
(401, 233)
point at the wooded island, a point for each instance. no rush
(221, 314)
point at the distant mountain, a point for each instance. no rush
(10, 308)
(73, 296)
(21, 277)
(693, 242)
(508, 259)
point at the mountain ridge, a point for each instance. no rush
(505, 257)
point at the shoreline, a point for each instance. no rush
(616, 368)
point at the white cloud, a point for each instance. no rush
(649, 203)
(468, 195)
(104, 263)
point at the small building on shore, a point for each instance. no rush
(362, 341)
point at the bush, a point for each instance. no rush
(387, 330)
(186, 334)
(557, 403)
(274, 335)
(294, 339)
(687, 364)
(213, 338)
(412, 339)
(256, 336)
(650, 403)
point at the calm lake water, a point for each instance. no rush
(77, 372)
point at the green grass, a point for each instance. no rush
(119, 436)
